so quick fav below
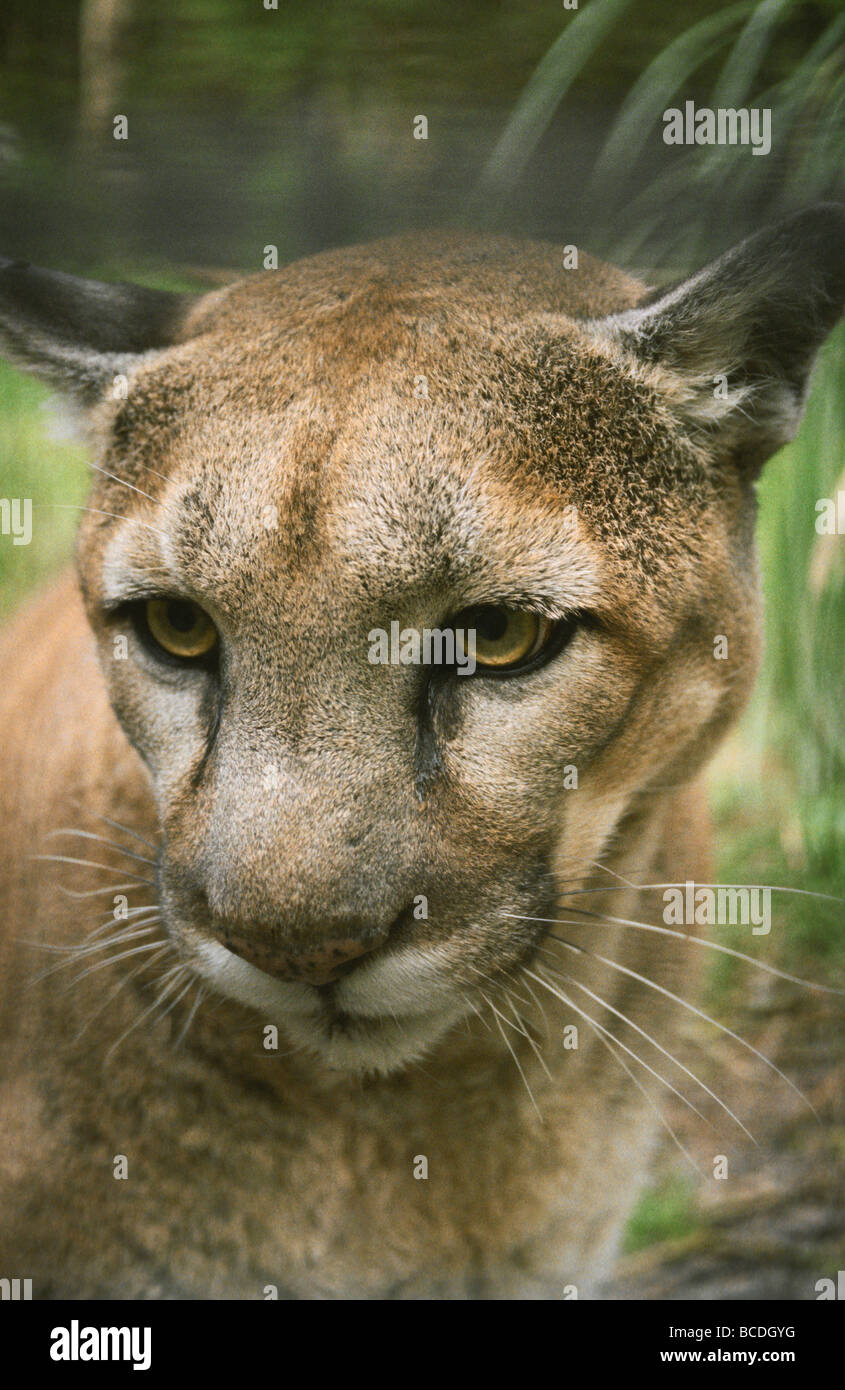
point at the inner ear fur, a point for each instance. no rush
(77, 334)
(743, 333)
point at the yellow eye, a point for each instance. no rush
(180, 627)
(505, 636)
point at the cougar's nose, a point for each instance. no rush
(326, 962)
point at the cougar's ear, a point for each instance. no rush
(740, 337)
(79, 334)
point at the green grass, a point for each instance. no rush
(46, 470)
(648, 204)
(666, 1211)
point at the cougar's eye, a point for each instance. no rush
(180, 627)
(505, 637)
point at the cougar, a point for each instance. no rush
(325, 974)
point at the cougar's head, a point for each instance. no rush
(416, 572)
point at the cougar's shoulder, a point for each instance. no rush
(64, 756)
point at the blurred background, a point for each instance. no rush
(250, 126)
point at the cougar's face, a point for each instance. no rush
(420, 571)
(354, 837)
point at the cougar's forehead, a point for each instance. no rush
(411, 500)
(388, 445)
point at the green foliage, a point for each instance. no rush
(805, 631)
(547, 87)
(665, 1212)
(52, 473)
(671, 205)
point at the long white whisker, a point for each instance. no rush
(90, 864)
(496, 984)
(475, 1009)
(651, 1101)
(685, 1003)
(97, 892)
(112, 960)
(123, 481)
(80, 946)
(137, 913)
(101, 839)
(602, 917)
(773, 887)
(523, 1028)
(82, 952)
(537, 1001)
(176, 975)
(127, 830)
(89, 946)
(507, 1042)
(98, 511)
(127, 979)
(570, 979)
(200, 995)
(636, 1057)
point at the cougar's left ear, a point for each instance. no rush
(79, 334)
(740, 337)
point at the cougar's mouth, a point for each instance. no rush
(381, 1016)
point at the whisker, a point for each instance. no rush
(127, 830)
(497, 984)
(619, 1043)
(607, 919)
(523, 1028)
(475, 1009)
(536, 999)
(172, 1005)
(692, 1008)
(90, 864)
(200, 995)
(101, 839)
(112, 960)
(660, 1048)
(651, 1101)
(176, 975)
(97, 892)
(86, 946)
(84, 952)
(96, 931)
(773, 887)
(98, 511)
(127, 979)
(135, 912)
(517, 1062)
(124, 482)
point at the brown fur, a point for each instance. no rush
(317, 796)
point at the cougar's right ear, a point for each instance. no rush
(78, 334)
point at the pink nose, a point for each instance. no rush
(325, 963)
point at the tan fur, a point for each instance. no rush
(323, 800)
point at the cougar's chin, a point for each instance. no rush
(352, 1043)
(380, 1018)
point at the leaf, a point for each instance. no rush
(651, 93)
(736, 78)
(543, 94)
